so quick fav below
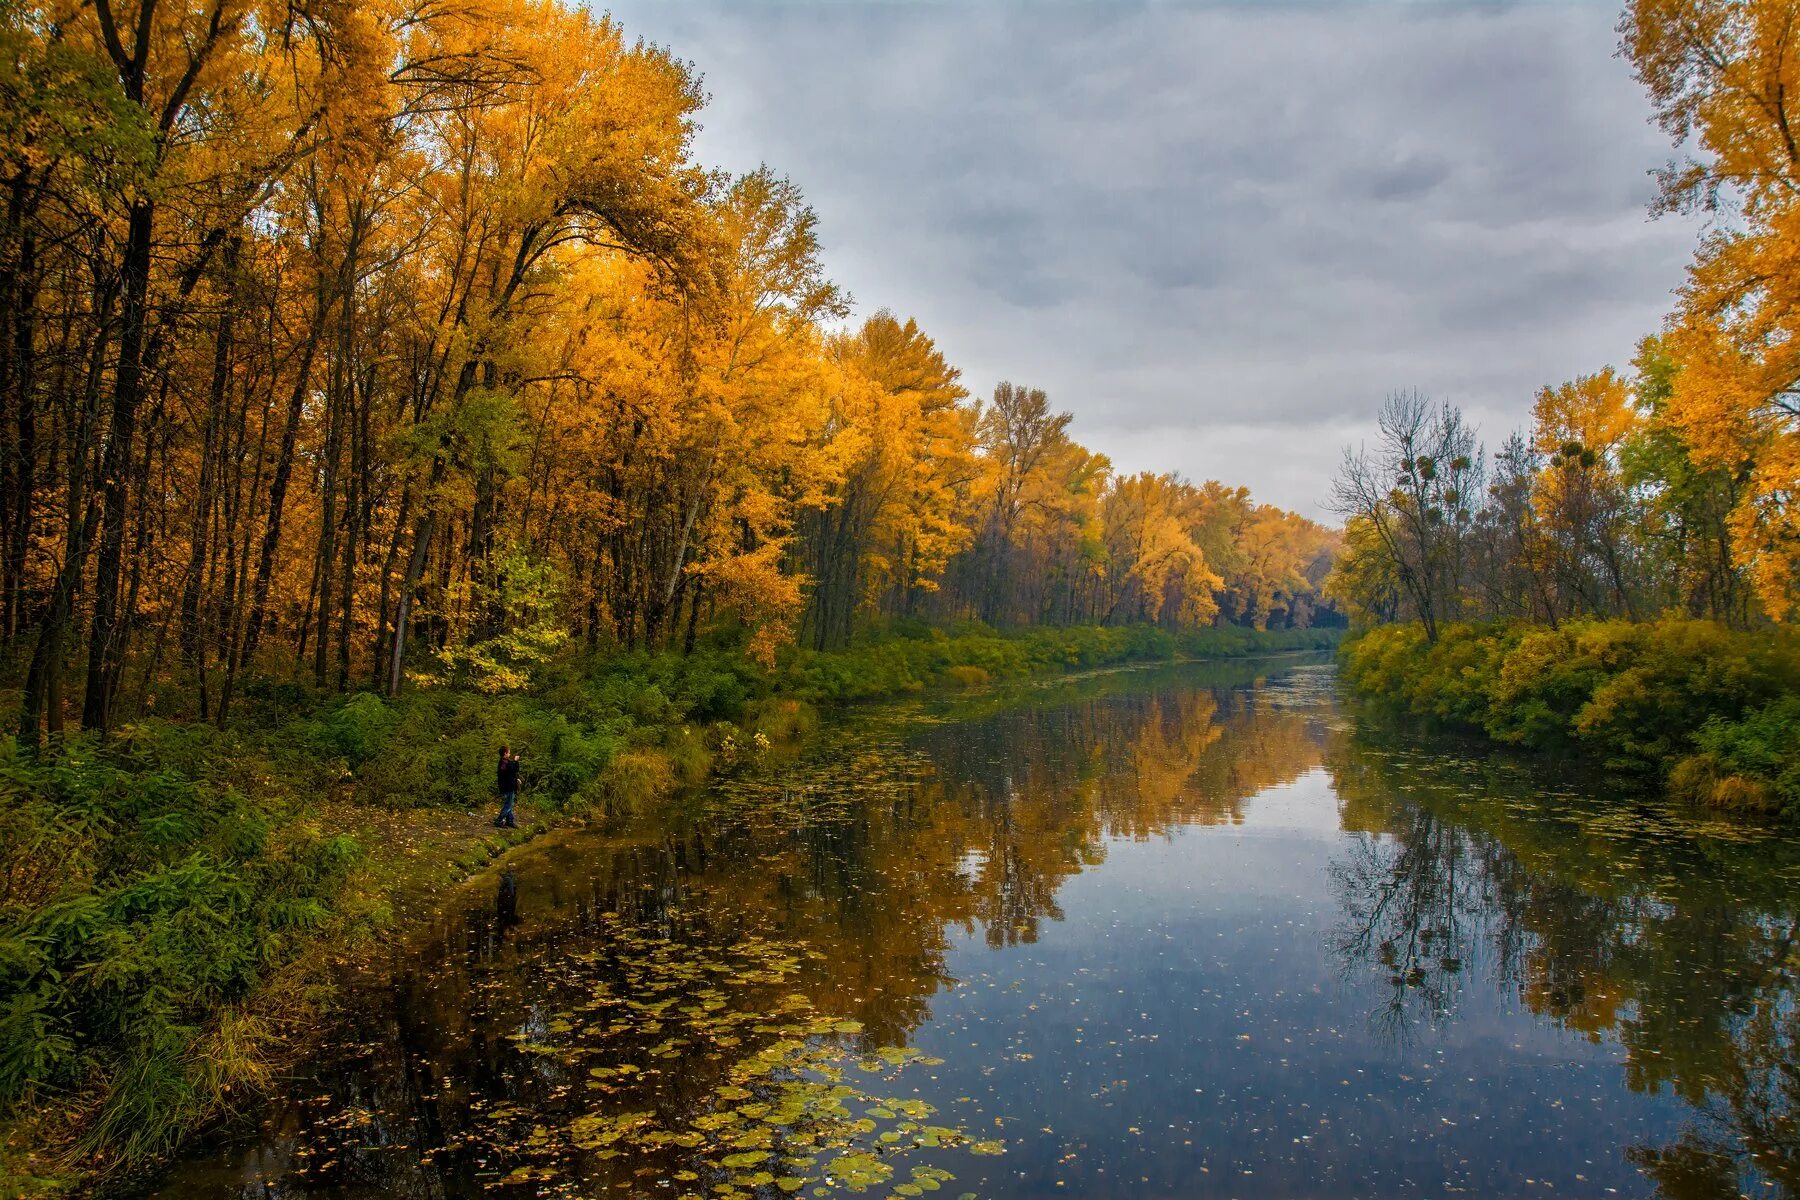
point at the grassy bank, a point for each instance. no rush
(1711, 713)
(172, 901)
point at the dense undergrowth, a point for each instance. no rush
(152, 887)
(1710, 712)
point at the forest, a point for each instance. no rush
(353, 343)
(1620, 579)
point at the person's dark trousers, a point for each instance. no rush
(506, 818)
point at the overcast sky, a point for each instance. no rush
(1219, 234)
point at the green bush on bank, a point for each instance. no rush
(911, 658)
(1708, 709)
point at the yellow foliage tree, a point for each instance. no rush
(1726, 74)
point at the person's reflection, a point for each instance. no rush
(506, 906)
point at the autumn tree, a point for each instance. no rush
(1414, 495)
(381, 345)
(1723, 76)
(902, 509)
(1585, 516)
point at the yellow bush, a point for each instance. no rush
(634, 776)
(1704, 779)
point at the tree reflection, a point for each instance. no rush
(1409, 903)
(1631, 925)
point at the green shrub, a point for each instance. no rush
(1542, 683)
(1750, 762)
(357, 730)
(1665, 680)
(1712, 709)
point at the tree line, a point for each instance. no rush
(341, 339)
(1670, 487)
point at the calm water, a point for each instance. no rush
(1175, 933)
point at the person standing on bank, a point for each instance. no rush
(509, 788)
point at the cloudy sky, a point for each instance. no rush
(1219, 233)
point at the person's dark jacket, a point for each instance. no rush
(509, 774)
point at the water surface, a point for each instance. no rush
(1182, 932)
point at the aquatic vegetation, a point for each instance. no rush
(688, 1060)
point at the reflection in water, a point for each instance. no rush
(1172, 932)
(506, 904)
(1635, 926)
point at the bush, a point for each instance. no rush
(1753, 762)
(1711, 709)
(967, 676)
(357, 730)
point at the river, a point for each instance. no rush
(1175, 932)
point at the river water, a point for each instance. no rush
(1181, 932)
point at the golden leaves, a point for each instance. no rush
(1725, 72)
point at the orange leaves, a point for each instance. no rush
(1727, 72)
(437, 302)
(1149, 547)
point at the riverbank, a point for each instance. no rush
(1710, 713)
(175, 902)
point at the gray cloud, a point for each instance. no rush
(1219, 234)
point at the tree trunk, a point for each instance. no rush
(106, 647)
(278, 485)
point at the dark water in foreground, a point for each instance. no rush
(1174, 933)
